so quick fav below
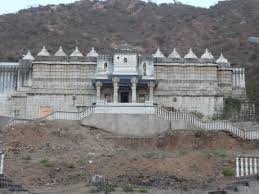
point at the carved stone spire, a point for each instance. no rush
(190, 55)
(222, 60)
(43, 52)
(174, 55)
(60, 53)
(76, 53)
(158, 54)
(28, 56)
(207, 55)
(92, 53)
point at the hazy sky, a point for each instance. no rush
(9, 6)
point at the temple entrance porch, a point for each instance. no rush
(124, 90)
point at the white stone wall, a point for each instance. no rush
(128, 67)
(207, 105)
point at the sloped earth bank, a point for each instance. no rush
(51, 156)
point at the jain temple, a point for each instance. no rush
(39, 85)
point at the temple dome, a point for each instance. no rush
(60, 53)
(28, 56)
(190, 55)
(222, 60)
(76, 53)
(92, 53)
(174, 55)
(43, 52)
(158, 54)
(207, 55)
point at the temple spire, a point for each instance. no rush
(190, 55)
(222, 59)
(43, 52)
(175, 55)
(28, 56)
(60, 53)
(92, 53)
(76, 53)
(207, 55)
(158, 54)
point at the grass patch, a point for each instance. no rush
(151, 155)
(142, 190)
(45, 162)
(216, 153)
(228, 172)
(26, 158)
(181, 152)
(127, 188)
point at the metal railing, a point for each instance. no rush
(220, 125)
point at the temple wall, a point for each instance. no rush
(186, 80)
(8, 85)
(238, 84)
(207, 105)
(63, 76)
(225, 82)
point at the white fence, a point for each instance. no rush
(210, 125)
(169, 115)
(246, 166)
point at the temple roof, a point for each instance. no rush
(92, 53)
(60, 53)
(43, 52)
(222, 59)
(174, 54)
(207, 55)
(76, 53)
(158, 54)
(190, 55)
(28, 56)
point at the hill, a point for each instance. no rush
(105, 24)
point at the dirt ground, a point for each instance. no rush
(51, 156)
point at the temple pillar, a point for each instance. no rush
(134, 82)
(98, 85)
(151, 86)
(115, 82)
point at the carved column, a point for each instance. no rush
(115, 81)
(98, 85)
(134, 82)
(151, 86)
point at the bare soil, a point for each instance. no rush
(49, 156)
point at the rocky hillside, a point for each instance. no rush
(104, 24)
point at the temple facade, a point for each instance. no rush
(40, 85)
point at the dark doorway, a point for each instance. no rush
(124, 97)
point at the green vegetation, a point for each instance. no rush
(151, 155)
(253, 93)
(127, 188)
(215, 153)
(45, 162)
(228, 172)
(26, 157)
(142, 190)
(198, 114)
(105, 188)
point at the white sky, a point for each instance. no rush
(10, 6)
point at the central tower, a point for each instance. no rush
(125, 60)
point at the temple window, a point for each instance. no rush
(105, 66)
(144, 69)
(125, 60)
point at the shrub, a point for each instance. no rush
(45, 162)
(27, 157)
(198, 114)
(228, 172)
(142, 190)
(127, 188)
(151, 155)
